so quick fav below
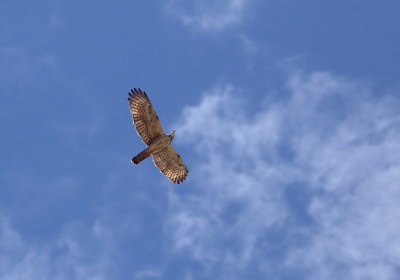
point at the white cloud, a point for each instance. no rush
(208, 15)
(18, 261)
(64, 259)
(332, 138)
(348, 151)
(239, 197)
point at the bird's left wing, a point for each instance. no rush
(171, 164)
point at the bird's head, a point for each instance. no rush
(172, 134)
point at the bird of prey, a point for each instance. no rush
(158, 143)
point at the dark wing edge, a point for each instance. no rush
(170, 164)
(144, 116)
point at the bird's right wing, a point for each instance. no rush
(144, 117)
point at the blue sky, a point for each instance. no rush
(287, 114)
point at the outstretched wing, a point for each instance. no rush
(144, 117)
(170, 164)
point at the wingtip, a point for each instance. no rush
(130, 94)
(137, 91)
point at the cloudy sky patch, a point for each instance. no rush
(286, 114)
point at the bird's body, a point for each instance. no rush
(155, 147)
(158, 143)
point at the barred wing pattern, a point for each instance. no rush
(170, 164)
(144, 117)
(149, 129)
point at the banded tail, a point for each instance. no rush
(141, 156)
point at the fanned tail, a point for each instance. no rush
(141, 156)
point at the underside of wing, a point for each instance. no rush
(171, 164)
(144, 117)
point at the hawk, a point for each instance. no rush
(158, 143)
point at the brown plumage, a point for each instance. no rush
(158, 143)
(141, 156)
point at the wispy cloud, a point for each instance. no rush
(208, 15)
(18, 261)
(64, 259)
(309, 182)
(239, 195)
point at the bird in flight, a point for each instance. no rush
(158, 143)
